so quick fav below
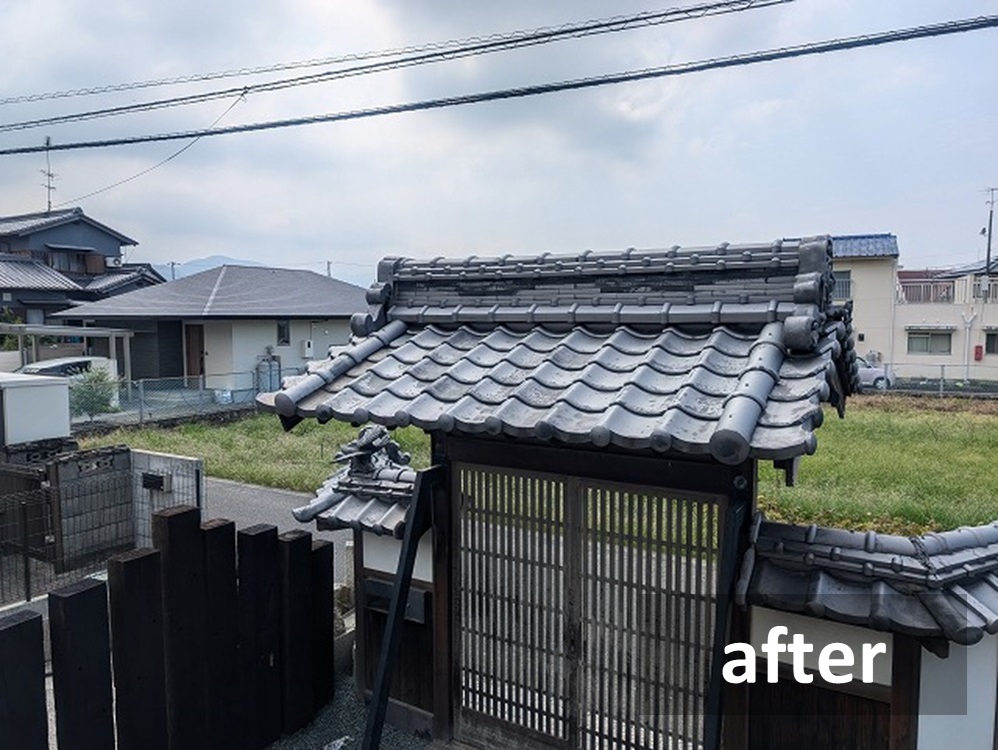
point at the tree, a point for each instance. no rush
(92, 393)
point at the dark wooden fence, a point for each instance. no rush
(210, 650)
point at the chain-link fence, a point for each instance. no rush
(976, 380)
(96, 399)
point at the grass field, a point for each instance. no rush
(894, 464)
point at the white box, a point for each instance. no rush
(33, 407)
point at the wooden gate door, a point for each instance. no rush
(584, 611)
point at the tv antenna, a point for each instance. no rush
(49, 175)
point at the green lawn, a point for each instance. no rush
(894, 464)
(257, 450)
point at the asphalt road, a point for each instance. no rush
(248, 504)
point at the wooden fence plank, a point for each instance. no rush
(135, 585)
(295, 555)
(259, 595)
(323, 637)
(81, 665)
(221, 646)
(22, 683)
(176, 533)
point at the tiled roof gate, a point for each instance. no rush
(598, 418)
(725, 351)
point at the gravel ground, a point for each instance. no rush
(343, 718)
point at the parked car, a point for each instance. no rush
(68, 367)
(874, 376)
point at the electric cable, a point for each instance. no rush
(515, 40)
(782, 53)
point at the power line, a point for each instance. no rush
(801, 50)
(146, 171)
(514, 40)
(565, 30)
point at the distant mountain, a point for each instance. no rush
(180, 270)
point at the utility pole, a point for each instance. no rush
(173, 270)
(329, 268)
(48, 174)
(991, 221)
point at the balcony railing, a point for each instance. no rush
(927, 292)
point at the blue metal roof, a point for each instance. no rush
(865, 246)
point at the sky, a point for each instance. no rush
(900, 138)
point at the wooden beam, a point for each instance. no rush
(417, 521)
(906, 673)
(22, 682)
(135, 586)
(443, 511)
(176, 533)
(323, 635)
(259, 637)
(221, 645)
(295, 556)
(81, 665)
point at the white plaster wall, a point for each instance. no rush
(381, 553)
(957, 698)
(250, 339)
(873, 284)
(820, 633)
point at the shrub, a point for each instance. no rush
(92, 393)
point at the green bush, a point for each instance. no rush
(92, 393)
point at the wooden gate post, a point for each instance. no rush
(221, 645)
(176, 533)
(259, 595)
(323, 637)
(295, 554)
(22, 683)
(81, 665)
(135, 585)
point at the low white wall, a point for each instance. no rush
(820, 633)
(381, 553)
(957, 697)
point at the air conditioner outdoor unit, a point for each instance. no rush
(306, 348)
(114, 261)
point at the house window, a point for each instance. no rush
(284, 333)
(991, 344)
(843, 285)
(930, 342)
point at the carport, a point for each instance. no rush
(34, 332)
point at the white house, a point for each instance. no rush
(224, 322)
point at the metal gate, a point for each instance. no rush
(585, 611)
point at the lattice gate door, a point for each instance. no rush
(584, 611)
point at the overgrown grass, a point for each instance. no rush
(895, 465)
(258, 451)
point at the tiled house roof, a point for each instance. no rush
(25, 224)
(726, 351)
(233, 292)
(937, 585)
(24, 273)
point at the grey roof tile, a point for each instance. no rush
(937, 585)
(372, 493)
(21, 273)
(651, 349)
